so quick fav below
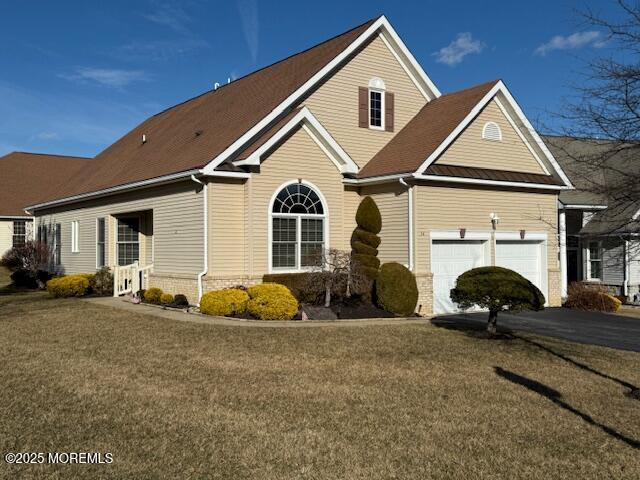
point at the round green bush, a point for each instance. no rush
(396, 289)
(68, 286)
(271, 303)
(368, 216)
(152, 295)
(230, 301)
(166, 299)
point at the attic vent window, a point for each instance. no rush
(491, 131)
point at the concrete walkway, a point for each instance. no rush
(124, 305)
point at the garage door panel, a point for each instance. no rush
(451, 258)
(522, 257)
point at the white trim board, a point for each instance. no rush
(476, 181)
(528, 236)
(581, 207)
(380, 25)
(317, 132)
(499, 87)
(455, 235)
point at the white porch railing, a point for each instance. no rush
(130, 278)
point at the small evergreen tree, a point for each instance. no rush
(365, 239)
(496, 289)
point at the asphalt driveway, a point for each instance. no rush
(593, 328)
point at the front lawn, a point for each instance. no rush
(182, 400)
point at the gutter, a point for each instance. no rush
(627, 270)
(132, 186)
(443, 178)
(410, 226)
(206, 235)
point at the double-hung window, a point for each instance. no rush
(297, 228)
(101, 257)
(128, 241)
(376, 103)
(19, 233)
(595, 260)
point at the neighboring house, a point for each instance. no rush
(599, 218)
(26, 178)
(253, 177)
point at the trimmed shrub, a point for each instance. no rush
(166, 299)
(180, 301)
(230, 301)
(589, 297)
(152, 295)
(69, 286)
(365, 239)
(102, 282)
(271, 301)
(496, 289)
(396, 289)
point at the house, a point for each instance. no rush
(26, 178)
(253, 177)
(599, 220)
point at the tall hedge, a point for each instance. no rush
(365, 239)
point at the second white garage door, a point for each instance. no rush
(524, 257)
(449, 259)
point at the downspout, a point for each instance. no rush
(627, 272)
(562, 224)
(206, 236)
(410, 229)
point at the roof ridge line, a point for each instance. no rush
(47, 154)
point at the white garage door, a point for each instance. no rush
(449, 259)
(523, 257)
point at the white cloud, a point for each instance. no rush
(454, 53)
(570, 42)
(249, 16)
(47, 136)
(108, 77)
(169, 15)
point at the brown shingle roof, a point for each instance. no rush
(425, 132)
(191, 134)
(441, 169)
(26, 178)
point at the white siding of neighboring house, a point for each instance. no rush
(6, 235)
(613, 262)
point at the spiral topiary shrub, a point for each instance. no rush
(230, 301)
(152, 295)
(271, 301)
(496, 289)
(68, 286)
(365, 239)
(396, 289)
(166, 299)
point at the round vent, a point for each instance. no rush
(491, 131)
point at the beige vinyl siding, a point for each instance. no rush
(452, 208)
(177, 228)
(6, 236)
(471, 150)
(335, 103)
(392, 201)
(299, 157)
(226, 227)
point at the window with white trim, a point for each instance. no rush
(491, 131)
(101, 257)
(19, 233)
(75, 236)
(297, 228)
(594, 253)
(376, 103)
(128, 240)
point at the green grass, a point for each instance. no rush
(181, 400)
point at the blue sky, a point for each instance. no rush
(76, 75)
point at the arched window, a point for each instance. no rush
(376, 103)
(491, 131)
(297, 227)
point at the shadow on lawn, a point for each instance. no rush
(478, 330)
(555, 397)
